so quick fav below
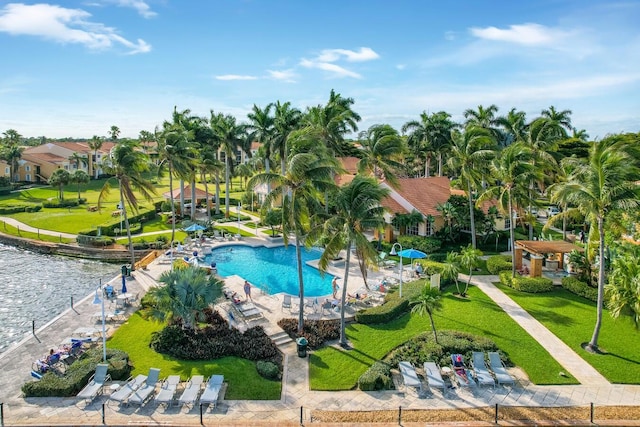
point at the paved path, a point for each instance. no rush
(569, 359)
(15, 365)
(24, 227)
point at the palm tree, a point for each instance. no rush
(451, 268)
(427, 302)
(231, 136)
(448, 211)
(469, 260)
(77, 159)
(512, 171)
(482, 117)
(60, 177)
(174, 151)
(382, 151)
(286, 120)
(114, 133)
(261, 129)
(299, 189)
(79, 177)
(186, 294)
(604, 183)
(95, 143)
(357, 209)
(514, 127)
(418, 140)
(127, 165)
(469, 154)
(560, 118)
(623, 290)
(11, 151)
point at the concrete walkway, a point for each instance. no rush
(24, 227)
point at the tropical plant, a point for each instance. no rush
(623, 290)
(357, 209)
(382, 150)
(427, 302)
(261, 129)
(11, 151)
(79, 177)
(470, 153)
(187, 293)
(598, 187)
(514, 127)
(60, 178)
(469, 260)
(286, 120)
(127, 165)
(299, 191)
(114, 133)
(451, 268)
(95, 143)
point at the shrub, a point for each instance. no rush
(77, 375)
(577, 287)
(498, 263)
(393, 307)
(268, 370)
(526, 284)
(57, 203)
(377, 377)
(425, 244)
(317, 332)
(8, 210)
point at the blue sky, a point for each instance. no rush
(75, 68)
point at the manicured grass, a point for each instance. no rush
(9, 229)
(244, 381)
(572, 319)
(335, 369)
(234, 230)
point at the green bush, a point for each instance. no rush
(77, 375)
(57, 203)
(393, 307)
(498, 263)
(268, 370)
(427, 245)
(317, 332)
(526, 284)
(33, 208)
(377, 377)
(8, 210)
(577, 287)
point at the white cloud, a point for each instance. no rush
(526, 34)
(140, 6)
(337, 70)
(284, 75)
(235, 77)
(332, 55)
(63, 25)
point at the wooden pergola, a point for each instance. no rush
(539, 248)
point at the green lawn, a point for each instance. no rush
(9, 229)
(244, 381)
(335, 369)
(572, 319)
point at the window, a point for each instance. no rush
(7, 170)
(412, 230)
(238, 157)
(66, 167)
(428, 228)
(27, 177)
(507, 223)
(28, 170)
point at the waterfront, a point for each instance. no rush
(40, 287)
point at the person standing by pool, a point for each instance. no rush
(247, 290)
(334, 285)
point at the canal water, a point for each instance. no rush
(40, 287)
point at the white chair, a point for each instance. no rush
(499, 369)
(142, 394)
(96, 383)
(191, 391)
(211, 391)
(483, 376)
(167, 390)
(286, 302)
(410, 376)
(434, 378)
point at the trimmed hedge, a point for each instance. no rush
(8, 210)
(377, 377)
(526, 284)
(498, 263)
(427, 245)
(582, 289)
(393, 307)
(57, 203)
(268, 370)
(315, 331)
(77, 375)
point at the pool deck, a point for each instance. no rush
(15, 365)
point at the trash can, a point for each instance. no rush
(302, 346)
(125, 270)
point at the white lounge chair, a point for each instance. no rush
(212, 390)
(167, 390)
(434, 378)
(142, 394)
(483, 376)
(123, 393)
(96, 383)
(499, 369)
(191, 391)
(463, 376)
(410, 376)
(286, 302)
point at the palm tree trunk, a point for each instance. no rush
(433, 326)
(181, 197)
(593, 344)
(126, 223)
(206, 192)
(471, 215)
(343, 336)
(217, 192)
(301, 286)
(226, 187)
(173, 208)
(427, 166)
(512, 237)
(530, 224)
(439, 164)
(193, 198)
(564, 222)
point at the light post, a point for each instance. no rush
(238, 219)
(393, 252)
(97, 300)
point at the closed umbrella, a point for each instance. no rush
(124, 284)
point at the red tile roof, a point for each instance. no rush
(423, 194)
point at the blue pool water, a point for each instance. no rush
(273, 269)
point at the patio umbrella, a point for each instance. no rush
(412, 254)
(194, 227)
(124, 284)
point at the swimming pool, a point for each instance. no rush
(273, 269)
